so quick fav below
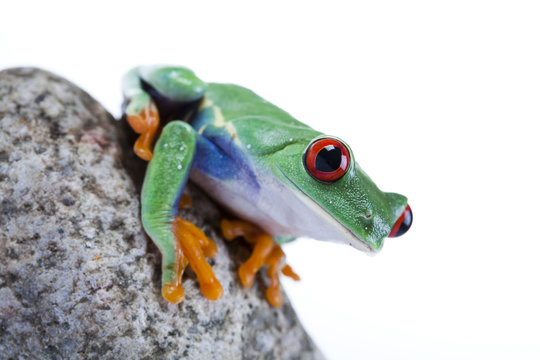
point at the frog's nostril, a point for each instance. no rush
(403, 223)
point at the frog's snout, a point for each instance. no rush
(403, 223)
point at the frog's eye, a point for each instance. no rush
(327, 159)
(403, 223)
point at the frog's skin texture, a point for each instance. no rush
(251, 157)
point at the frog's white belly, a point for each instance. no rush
(277, 209)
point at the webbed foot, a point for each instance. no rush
(265, 252)
(193, 247)
(144, 120)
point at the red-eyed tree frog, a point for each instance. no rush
(281, 178)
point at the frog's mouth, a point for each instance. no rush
(341, 233)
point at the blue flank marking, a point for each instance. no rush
(217, 156)
(214, 162)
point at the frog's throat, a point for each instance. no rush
(354, 240)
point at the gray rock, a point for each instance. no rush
(78, 277)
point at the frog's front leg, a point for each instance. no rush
(175, 83)
(181, 243)
(265, 252)
(141, 114)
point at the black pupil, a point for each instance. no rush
(328, 159)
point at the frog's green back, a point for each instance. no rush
(237, 102)
(237, 119)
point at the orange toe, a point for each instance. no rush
(173, 293)
(274, 297)
(212, 290)
(246, 275)
(288, 271)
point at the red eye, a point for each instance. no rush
(327, 160)
(403, 223)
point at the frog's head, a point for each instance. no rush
(343, 201)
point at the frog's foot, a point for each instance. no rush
(173, 291)
(193, 247)
(144, 119)
(265, 252)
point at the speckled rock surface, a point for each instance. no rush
(78, 277)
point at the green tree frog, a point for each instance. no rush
(281, 178)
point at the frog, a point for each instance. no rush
(277, 176)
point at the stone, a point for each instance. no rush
(78, 277)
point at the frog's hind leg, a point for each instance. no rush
(265, 252)
(180, 242)
(142, 85)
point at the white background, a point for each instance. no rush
(439, 101)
